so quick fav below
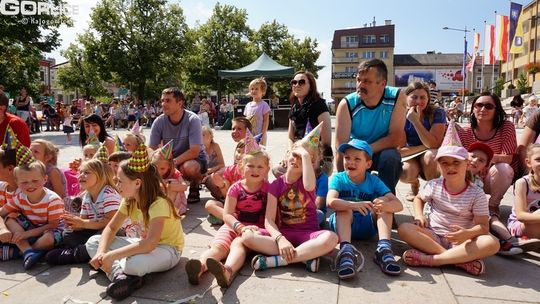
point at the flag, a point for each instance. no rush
(476, 46)
(489, 43)
(501, 38)
(463, 70)
(516, 28)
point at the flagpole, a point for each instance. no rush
(494, 60)
(483, 59)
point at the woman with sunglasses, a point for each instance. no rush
(489, 126)
(308, 110)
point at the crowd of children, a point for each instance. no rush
(125, 215)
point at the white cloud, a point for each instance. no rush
(197, 13)
(325, 59)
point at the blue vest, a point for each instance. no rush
(371, 124)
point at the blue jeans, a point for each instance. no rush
(388, 164)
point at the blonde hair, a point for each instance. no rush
(35, 165)
(49, 150)
(314, 151)
(139, 138)
(253, 155)
(209, 130)
(156, 156)
(535, 186)
(260, 82)
(102, 171)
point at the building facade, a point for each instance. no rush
(351, 46)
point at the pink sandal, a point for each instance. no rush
(476, 267)
(413, 257)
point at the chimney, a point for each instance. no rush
(374, 21)
(387, 22)
(365, 24)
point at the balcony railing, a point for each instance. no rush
(345, 59)
(341, 75)
(349, 45)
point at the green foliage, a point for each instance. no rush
(522, 83)
(80, 74)
(24, 40)
(499, 85)
(137, 43)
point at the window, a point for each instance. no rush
(351, 55)
(370, 39)
(349, 69)
(350, 84)
(368, 55)
(42, 75)
(478, 81)
(383, 54)
(385, 38)
(351, 39)
(525, 26)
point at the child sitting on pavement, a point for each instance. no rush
(364, 207)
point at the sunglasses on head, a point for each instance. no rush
(488, 106)
(300, 82)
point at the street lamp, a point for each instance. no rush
(464, 30)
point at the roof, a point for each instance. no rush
(429, 59)
(263, 66)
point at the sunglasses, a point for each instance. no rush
(488, 106)
(300, 82)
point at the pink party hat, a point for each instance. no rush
(314, 136)
(166, 151)
(451, 138)
(136, 130)
(451, 145)
(251, 144)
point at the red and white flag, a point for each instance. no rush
(476, 46)
(501, 37)
(489, 43)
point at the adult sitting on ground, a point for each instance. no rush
(184, 128)
(18, 125)
(374, 113)
(529, 136)
(488, 125)
(308, 111)
(424, 128)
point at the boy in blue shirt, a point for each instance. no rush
(364, 207)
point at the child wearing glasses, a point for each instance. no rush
(257, 110)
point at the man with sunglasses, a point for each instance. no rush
(374, 113)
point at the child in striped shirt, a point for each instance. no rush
(456, 230)
(32, 219)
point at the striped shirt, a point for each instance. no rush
(453, 209)
(503, 142)
(5, 195)
(49, 208)
(107, 200)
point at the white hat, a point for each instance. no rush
(532, 97)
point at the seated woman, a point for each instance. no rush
(424, 128)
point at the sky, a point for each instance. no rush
(418, 23)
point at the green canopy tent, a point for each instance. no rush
(263, 66)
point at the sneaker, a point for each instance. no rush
(526, 244)
(60, 256)
(123, 286)
(313, 265)
(259, 262)
(214, 221)
(507, 248)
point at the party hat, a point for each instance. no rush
(251, 144)
(258, 138)
(451, 145)
(23, 155)
(118, 144)
(166, 151)
(136, 130)
(10, 139)
(139, 161)
(309, 127)
(314, 136)
(102, 154)
(92, 139)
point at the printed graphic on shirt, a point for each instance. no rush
(293, 207)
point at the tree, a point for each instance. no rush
(80, 74)
(499, 85)
(137, 43)
(522, 83)
(222, 43)
(24, 40)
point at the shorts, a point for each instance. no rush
(298, 237)
(441, 240)
(68, 129)
(362, 227)
(226, 235)
(26, 224)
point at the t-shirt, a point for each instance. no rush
(250, 206)
(529, 111)
(107, 200)
(433, 95)
(48, 209)
(452, 209)
(19, 127)
(255, 112)
(321, 189)
(534, 123)
(172, 233)
(6, 195)
(439, 117)
(296, 206)
(308, 111)
(183, 134)
(232, 174)
(368, 190)
(503, 142)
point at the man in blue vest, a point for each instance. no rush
(374, 113)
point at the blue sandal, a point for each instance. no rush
(348, 262)
(31, 257)
(386, 261)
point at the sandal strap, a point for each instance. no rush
(5, 252)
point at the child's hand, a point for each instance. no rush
(421, 221)
(286, 249)
(18, 236)
(106, 262)
(379, 206)
(5, 236)
(251, 228)
(73, 221)
(363, 207)
(458, 235)
(302, 153)
(95, 262)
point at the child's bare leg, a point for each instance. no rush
(45, 242)
(214, 208)
(15, 228)
(419, 238)
(260, 243)
(384, 225)
(343, 225)
(314, 248)
(217, 252)
(478, 248)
